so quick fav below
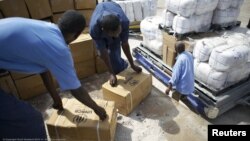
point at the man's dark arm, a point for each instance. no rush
(106, 59)
(82, 95)
(49, 84)
(126, 50)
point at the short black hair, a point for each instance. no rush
(110, 22)
(71, 22)
(179, 46)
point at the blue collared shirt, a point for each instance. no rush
(33, 46)
(183, 74)
(102, 40)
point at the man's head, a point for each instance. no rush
(111, 25)
(179, 47)
(71, 25)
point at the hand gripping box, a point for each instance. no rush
(78, 122)
(132, 88)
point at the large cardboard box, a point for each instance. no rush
(171, 57)
(17, 75)
(61, 5)
(82, 48)
(39, 9)
(31, 86)
(87, 14)
(14, 8)
(85, 4)
(131, 90)
(85, 68)
(56, 17)
(78, 122)
(7, 85)
(101, 67)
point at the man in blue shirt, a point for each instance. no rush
(109, 27)
(32, 46)
(182, 79)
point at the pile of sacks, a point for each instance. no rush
(152, 35)
(137, 10)
(185, 16)
(223, 61)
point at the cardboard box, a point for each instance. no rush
(7, 85)
(14, 8)
(171, 57)
(1, 15)
(82, 48)
(61, 5)
(131, 90)
(101, 67)
(85, 69)
(18, 75)
(39, 9)
(56, 17)
(87, 14)
(31, 86)
(85, 4)
(80, 123)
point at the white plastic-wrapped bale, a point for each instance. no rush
(152, 7)
(224, 4)
(130, 11)
(122, 4)
(145, 8)
(202, 23)
(225, 16)
(204, 6)
(195, 23)
(226, 57)
(204, 47)
(168, 18)
(235, 39)
(152, 36)
(137, 10)
(211, 78)
(237, 3)
(185, 8)
(237, 74)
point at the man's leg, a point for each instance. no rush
(176, 96)
(19, 120)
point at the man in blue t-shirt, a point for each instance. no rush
(32, 46)
(109, 27)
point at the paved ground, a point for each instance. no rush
(158, 117)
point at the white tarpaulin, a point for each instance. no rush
(130, 11)
(226, 57)
(204, 6)
(185, 8)
(235, 39)
(224, 4)
(204, 47)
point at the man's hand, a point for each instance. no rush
(136, 68)
(167, 91)
(101, 113)
(58, 104)
(113, 80)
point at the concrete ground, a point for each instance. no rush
(158, 117)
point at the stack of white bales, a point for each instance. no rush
(222, 61)
(152, 36)
(137, 10)
(186, 16)
(227, 11)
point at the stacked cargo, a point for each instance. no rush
(137, 10)
(187, 16)
(222, 61)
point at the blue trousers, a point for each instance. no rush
(19, 120)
